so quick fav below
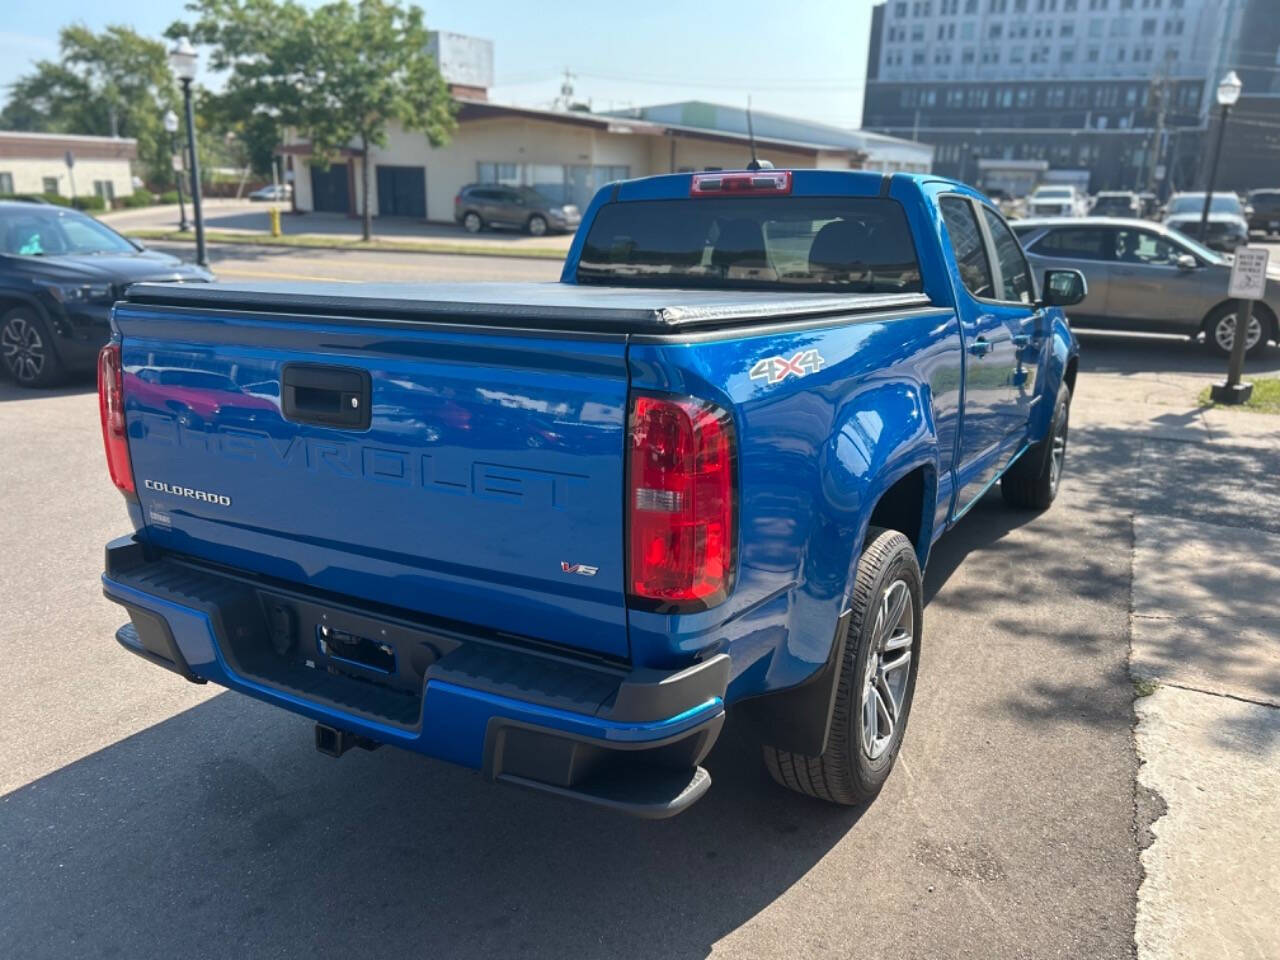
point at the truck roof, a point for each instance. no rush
(558, 306)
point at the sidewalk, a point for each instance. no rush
(1204, 486)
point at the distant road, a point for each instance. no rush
(235, 262)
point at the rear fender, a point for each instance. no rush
(1063, 348)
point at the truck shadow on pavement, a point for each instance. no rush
(219, 833)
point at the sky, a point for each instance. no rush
(804, 58)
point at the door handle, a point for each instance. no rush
(327, 396)
(981, 347)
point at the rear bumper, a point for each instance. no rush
(630, 740)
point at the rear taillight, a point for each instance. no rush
(111, 409)
(681, 503)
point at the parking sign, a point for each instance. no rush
(1249, 274)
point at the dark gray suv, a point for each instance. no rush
(480, 205)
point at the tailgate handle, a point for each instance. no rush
(328, 396)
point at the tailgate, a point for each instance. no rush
(486, 487)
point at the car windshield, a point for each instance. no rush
(1194, 203)
(830, 244)
(39, 231)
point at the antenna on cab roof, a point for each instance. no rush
(756, 163)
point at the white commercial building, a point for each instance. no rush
(566, 155)
(66, 165)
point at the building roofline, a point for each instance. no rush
(70, 137)
(481, 109)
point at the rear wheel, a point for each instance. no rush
(471, 222)
(877, 680)
(1220, 330)
(26, 349)
(537, 225)
(1032, 482)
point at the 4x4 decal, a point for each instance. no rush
(776, 369)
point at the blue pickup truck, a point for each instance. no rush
(553, 532)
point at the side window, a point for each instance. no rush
(1075, 243)
(1143, 246)
(967, 245)
(1015, 275)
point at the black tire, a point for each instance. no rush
(1032, 483)
(536, 226)
(27, 353)
(846, 772)
(472, 222)
(1214, 340)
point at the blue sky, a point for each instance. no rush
(806, 59)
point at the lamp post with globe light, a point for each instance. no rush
(1229, 88)
(171, 128)
(182, 58)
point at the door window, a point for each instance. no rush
(967, 246)
(1015, 275)
(1076, 243)
(1145, 247)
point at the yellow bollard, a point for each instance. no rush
(275, 221)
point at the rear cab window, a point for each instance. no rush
(823, 244)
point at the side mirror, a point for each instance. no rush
(1185, 262)
(1063, 288)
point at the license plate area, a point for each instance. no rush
(354, 650)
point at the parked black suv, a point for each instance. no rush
(480, 205)
(60, 272)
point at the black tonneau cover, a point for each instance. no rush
(560, 306)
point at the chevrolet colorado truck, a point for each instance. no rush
(553, 532)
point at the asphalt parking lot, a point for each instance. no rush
(142, 816)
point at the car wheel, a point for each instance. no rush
(26, 349)
(1220, 331)
(537, 226)
(471, 222)
(1032, 482)
(877, 680)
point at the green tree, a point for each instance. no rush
(115, 82)
(339, 75)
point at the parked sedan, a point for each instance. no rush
(60, 272)
(273, 193)
(1226, 228)
(1145, 276)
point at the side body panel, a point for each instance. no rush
(815, 455)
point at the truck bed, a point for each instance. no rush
(547, 306)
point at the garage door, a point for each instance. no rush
(402, 192)
(329, 190)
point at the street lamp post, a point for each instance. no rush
(1229, 88)
(182, 58)
(171, 128)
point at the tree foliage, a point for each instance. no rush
(116, 81)
(339, 74)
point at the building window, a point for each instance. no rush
(1092, 55)
(106, 190)
(1097, 28)
(995, 31)
(1067, 55)
(6, 182)
(917, 33)
(967, 30)
(507, 174)
(1149, 27)
(970, 6)
(49, 184)
(967, 56)
(1068, 6)
(1067, 30)
(900, 8)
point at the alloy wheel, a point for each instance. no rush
(888, 669)
(1224, 332)
(23, 349)
(1058, 451)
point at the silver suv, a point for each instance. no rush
(481, 205)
